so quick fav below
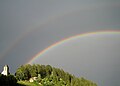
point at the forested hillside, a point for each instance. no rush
(45, 75)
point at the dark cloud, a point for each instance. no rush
(27, 27)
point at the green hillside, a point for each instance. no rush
(45, 75)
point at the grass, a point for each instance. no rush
(27, 83)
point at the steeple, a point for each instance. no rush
(5, 70)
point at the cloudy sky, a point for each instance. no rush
(29, 26)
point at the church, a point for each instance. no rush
(5, 70)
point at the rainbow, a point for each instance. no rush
(38, 25)
(69, 39)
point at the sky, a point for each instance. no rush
(29, 26)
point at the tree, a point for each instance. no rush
(48, 70)
(33, 71)
(20, 73)
(9, 80)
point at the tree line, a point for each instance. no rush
(50, 76)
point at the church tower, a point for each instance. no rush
(5, 70)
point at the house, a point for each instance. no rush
(32, 79)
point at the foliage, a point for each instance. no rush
(27, 83)
(9, 80)
(49, 76)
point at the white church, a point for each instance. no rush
(5, 70)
